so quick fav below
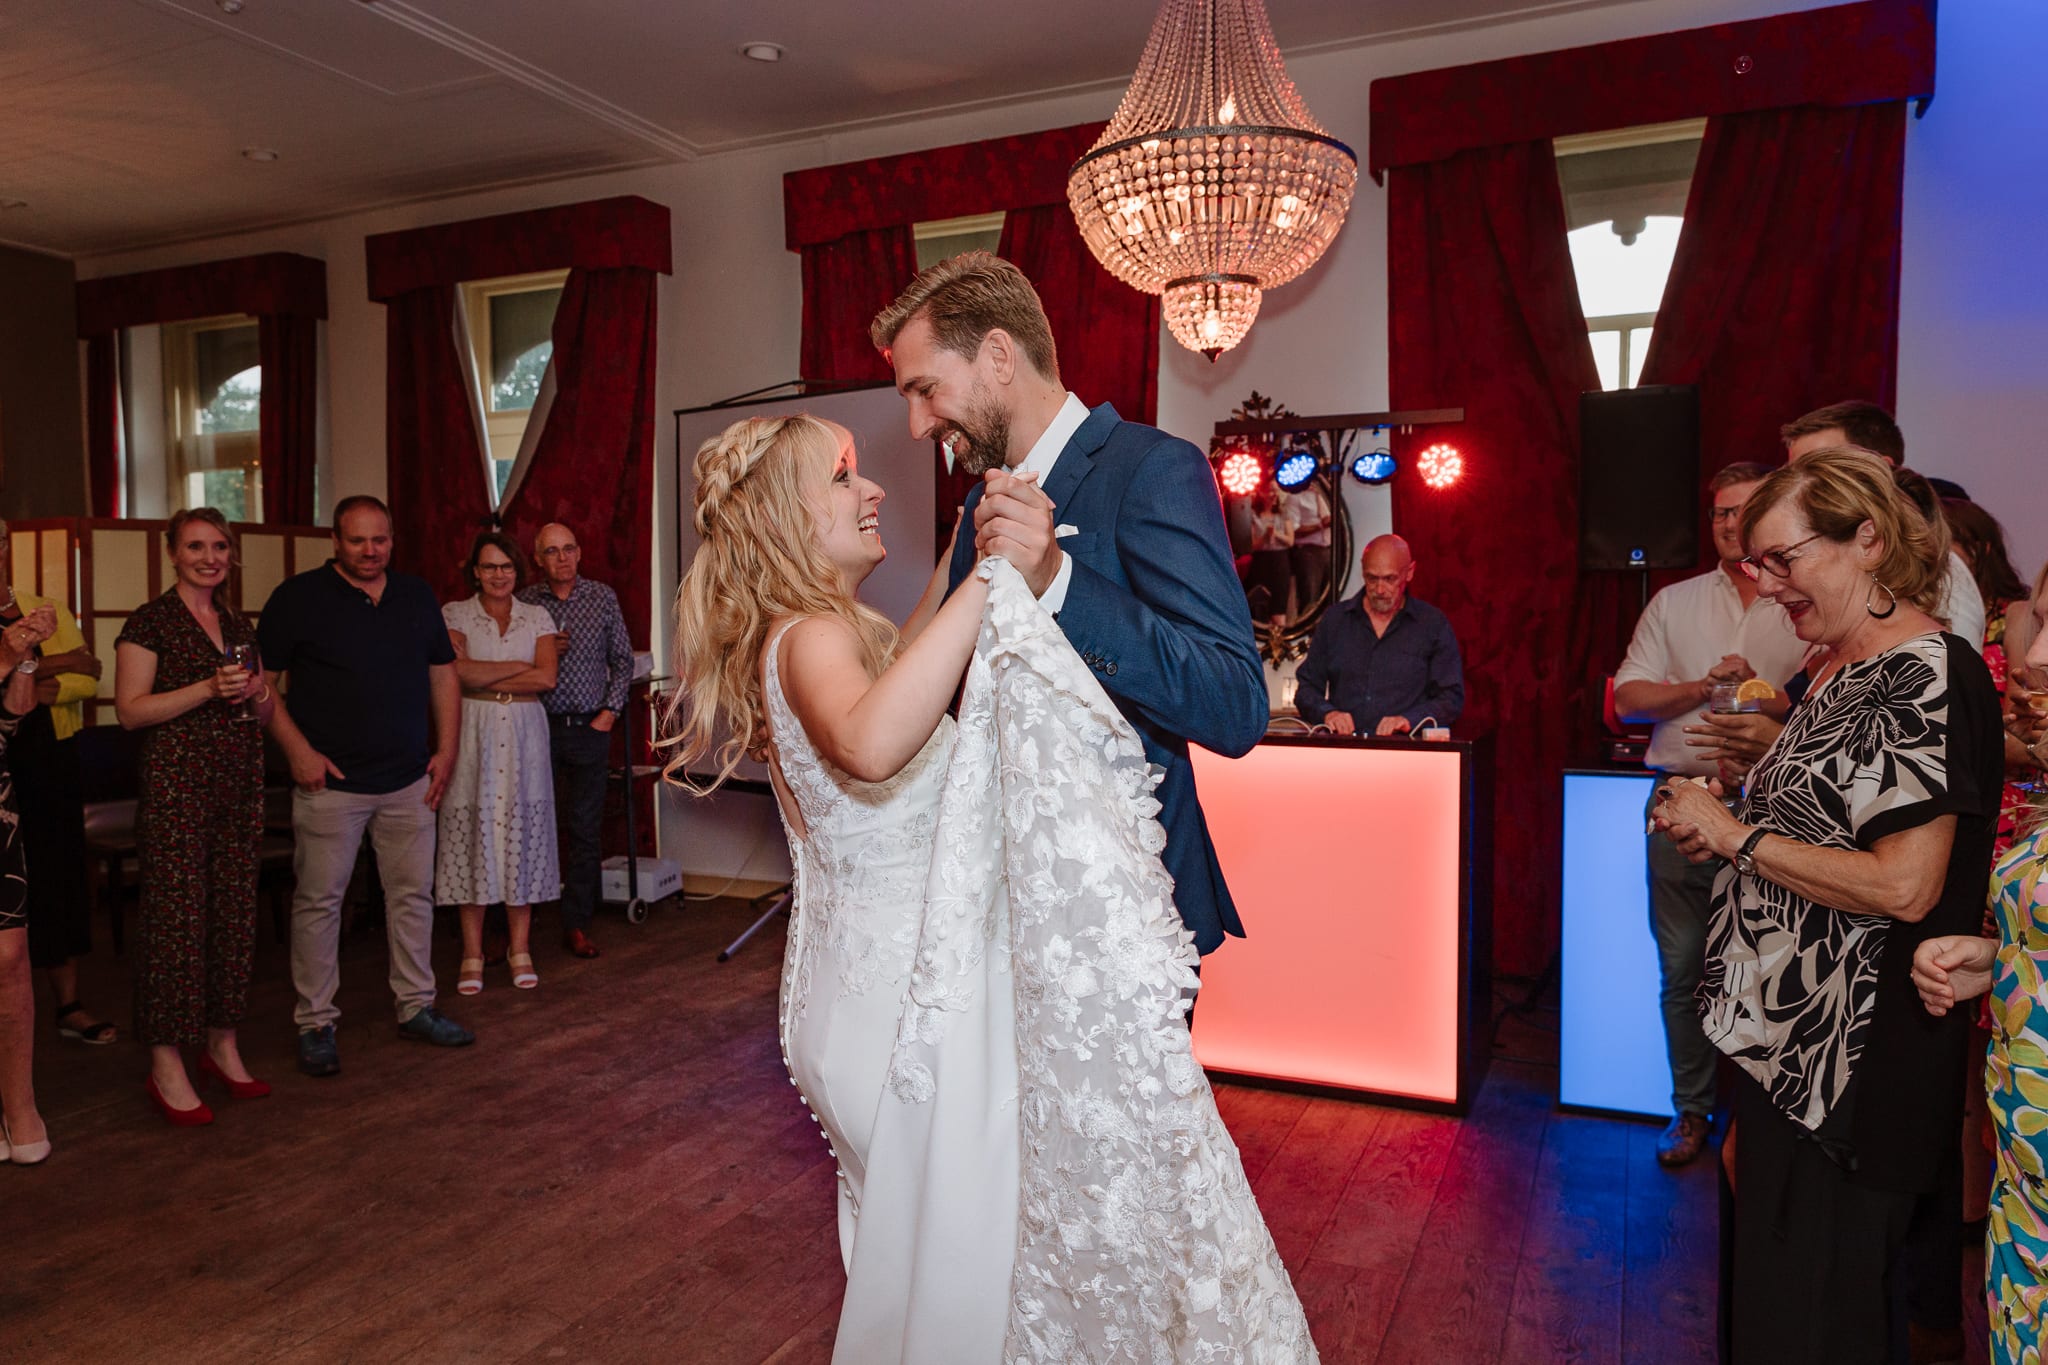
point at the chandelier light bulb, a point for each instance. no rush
(1213, 183)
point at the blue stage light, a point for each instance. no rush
(1374, 467)
(1296, 468)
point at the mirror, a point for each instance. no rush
(1291, 545)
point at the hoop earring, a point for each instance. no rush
(1891, 604)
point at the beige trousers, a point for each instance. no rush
(328, 827)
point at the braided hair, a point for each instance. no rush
(758, 562)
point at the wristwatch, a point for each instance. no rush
(1745, 857)
(29, 664)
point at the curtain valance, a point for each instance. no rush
(825, 203)
(275, 284)
(1866, 53)
(626, 232)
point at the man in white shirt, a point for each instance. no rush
(1857, 423)
(1309, 556)
(1706, 630)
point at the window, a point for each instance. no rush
(1624, 198)
(213, 392)
(511, 335)
(943, 237)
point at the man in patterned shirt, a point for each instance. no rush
(594, 669)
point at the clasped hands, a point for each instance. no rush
(31, 630)
(1014, 520)
(1733, 742)
(1692, 815)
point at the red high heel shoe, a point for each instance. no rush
(198, 1116)
(241, 1090)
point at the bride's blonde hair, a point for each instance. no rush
(758, 561)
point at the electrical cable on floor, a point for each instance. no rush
(735, 878)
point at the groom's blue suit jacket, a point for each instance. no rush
(1156, 610)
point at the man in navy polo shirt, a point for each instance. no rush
(368, 664)
(1382, 662)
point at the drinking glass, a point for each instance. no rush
(244, 657)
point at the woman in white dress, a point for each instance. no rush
(497, 820)
(982, 992)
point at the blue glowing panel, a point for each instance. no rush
(1611, 1033)
(1373, 467)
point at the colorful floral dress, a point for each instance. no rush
(2016, 1076)
(2018, 788)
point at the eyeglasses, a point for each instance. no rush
(1727, 513)
(497, 568)
(561, 551)
(1776, 563)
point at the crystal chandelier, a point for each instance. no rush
(1213, 182)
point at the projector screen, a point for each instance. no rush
(724, 835)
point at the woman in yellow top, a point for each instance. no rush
(44, 756)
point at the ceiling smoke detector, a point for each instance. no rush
(762, 52)
(229, 6)
(259, 154)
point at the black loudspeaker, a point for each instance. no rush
(1639, 478)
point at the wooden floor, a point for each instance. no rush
(619, 1170)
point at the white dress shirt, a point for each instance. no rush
(1039, 460)
(1687, 629)
(1962, 605)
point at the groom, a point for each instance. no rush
(1121, 536)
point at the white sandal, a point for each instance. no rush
(469, 976)
(523, 974)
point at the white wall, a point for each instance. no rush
(1976, 304)
(1973, 311)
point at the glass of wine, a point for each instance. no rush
(244, 657)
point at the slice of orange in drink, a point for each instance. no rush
(1755, 689)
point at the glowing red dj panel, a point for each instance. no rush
(1365, 965)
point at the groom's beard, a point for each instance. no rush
(982, 442)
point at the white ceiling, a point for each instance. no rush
(126, 119)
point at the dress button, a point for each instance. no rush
(1110, 668)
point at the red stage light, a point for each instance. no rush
(1241, 473)
(1440, 465)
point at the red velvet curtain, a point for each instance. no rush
(1784, 293)
(289, 345)
(593, 468)
(846, 282)
(434, 465)
(103, 423)
(1484, 314)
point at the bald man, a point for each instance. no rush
(593, 670)
(1382, 662)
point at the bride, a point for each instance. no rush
(983, 992)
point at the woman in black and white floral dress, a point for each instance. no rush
(1866, 828)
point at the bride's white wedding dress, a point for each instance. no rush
(982, 1003)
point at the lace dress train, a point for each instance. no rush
(1045, 1177)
